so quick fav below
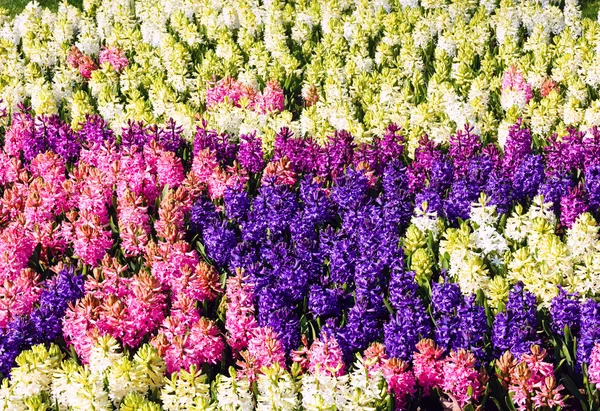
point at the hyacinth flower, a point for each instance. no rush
(515, 89)
(529, 381)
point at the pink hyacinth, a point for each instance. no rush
(85, 64)
(134, 223)
(199, 283)
(173, 208)
(401, 381)
(182, 346)
(229, 90)
(131, 307)
(515, 90)
(461, 380)
(280, 172)
(115, 56)
(325, 357)
(532, 381)
(240, 321)
(428, 365)
(92, 238)
(18, 296)
(264, 350)
(79, 326)
(168, 260)
(594, 365)
(271, 99)
(20, 128)
(134, 173)
(16, 247)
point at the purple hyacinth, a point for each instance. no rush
(565, 155)
(591, 144)
(406, 328)
(499, 192)
(433, 199)
(135, 135)
(219, 240)
(463, 147)
(397, 199)
(94, 131)
(515, 328)
(565, 311)
(45, 323)
(170, 136)
(274, 311)
(516, 148)
(592, 184)
(19, 335)
(390, 146)
(572, 205)
(590, 330)
(479, 170)
(350, 190)
(426, 154)
(317, 205)
(338, 154)
(458, 203)
(554, 189)
(441, 175)
(221, 144)
(528, 176)
(202, 214)
(325, 302)
(237, 204)
(250, 153)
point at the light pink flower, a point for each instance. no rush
(240, 321)
(115, 56)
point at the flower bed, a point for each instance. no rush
(283, 206)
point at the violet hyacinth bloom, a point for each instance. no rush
(528, 176)
(410, 323)
(565, 311)
(554, 189)
(565, 155)
(397, 199)
(458, 203)
(459, 322)
(433, 200)
(515, 328)
(463, 146)
(572, 206)
(441, 175)
(499, 192)
(136, 134)
(237, 204)
(590, 330)
(94, 130)
(592, 184)
(517, 146)
(250, 153)
(202, 213)
(337, 154)
(170, 136)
